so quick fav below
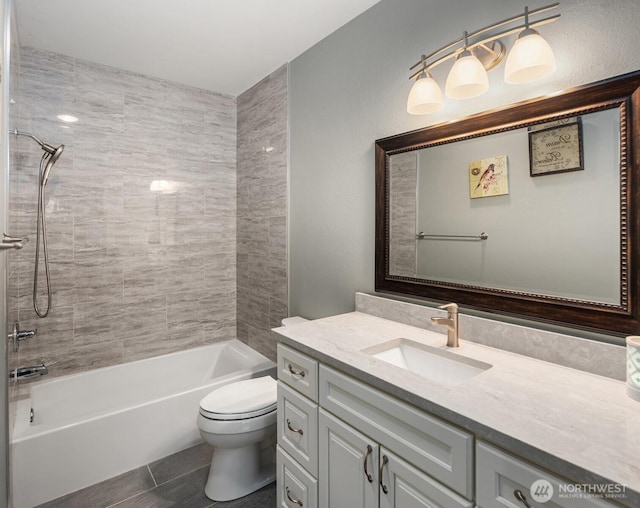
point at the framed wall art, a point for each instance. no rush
(556, 147)
(488, 177)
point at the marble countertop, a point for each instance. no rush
(579, 425)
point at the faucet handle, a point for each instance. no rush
(451, 307)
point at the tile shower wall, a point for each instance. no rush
(403, 180)
(262, 211)
(141, 215)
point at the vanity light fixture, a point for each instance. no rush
(531, 58)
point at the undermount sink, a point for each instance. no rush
(432, 363)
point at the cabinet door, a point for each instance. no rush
(298, 427)
(348, 460)
(294, 486)
(404, 486)
(504, 480)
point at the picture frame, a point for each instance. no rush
(556, 148)
(488, 177)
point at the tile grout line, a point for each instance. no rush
(182, 475)
(152, 477)
(155, 485)
(117, 503)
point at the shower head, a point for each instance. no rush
(53, 157)
(52, 153)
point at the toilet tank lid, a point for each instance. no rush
(242, 396)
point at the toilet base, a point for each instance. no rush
(237, 472)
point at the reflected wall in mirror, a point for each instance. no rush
(556, 245)
(535, 243)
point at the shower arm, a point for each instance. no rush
(45, 146)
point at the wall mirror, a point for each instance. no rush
(529, 210)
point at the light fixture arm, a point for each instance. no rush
(475, 39)
(424, 65)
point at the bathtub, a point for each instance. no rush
(92, 426)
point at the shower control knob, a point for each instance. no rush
(12, 242)
(17, 335)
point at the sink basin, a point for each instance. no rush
(432, 363)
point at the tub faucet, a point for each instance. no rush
(27, 372)
(451, 322)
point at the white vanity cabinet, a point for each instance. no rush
(343, 443)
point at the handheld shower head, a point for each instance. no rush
(52, 160)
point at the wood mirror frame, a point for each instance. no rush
(622, 92)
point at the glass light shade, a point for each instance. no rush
(467, 78)
(530, 58)
(425, 96)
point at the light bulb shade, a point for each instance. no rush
(425, 96)
(530, 58)
(467, 78)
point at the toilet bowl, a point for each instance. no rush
(239, 420)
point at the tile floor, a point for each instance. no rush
(174, 481)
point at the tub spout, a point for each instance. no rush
(27, 372)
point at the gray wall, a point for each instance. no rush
(351, 89)
(262, 211)
(134, 273)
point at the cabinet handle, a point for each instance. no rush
(296, 372)
(385, 461)
(366, 472)
(520, 497)
(292, 499)
(293, 429)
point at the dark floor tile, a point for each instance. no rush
(186, 491)
(181, 463)
(263, 498)
(107, 492)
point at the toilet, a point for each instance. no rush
(239, 421)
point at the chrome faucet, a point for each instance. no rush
(26, 372)
(451, 322)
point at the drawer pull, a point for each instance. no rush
(385, 461)
(293, 429)
(366, 472)
(296, 372)
(520, 497)
(292, 499)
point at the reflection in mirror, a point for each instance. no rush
(529, 210)
(555, 233)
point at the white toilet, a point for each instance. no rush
(239, 420)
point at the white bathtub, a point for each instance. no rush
(92, 426)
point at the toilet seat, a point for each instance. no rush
(241, 400)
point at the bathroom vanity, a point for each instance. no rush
(474, 426)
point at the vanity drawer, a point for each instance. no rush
(499, 475)
(440, 450)
(298, 427)
(296, 488)
(298, 371)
